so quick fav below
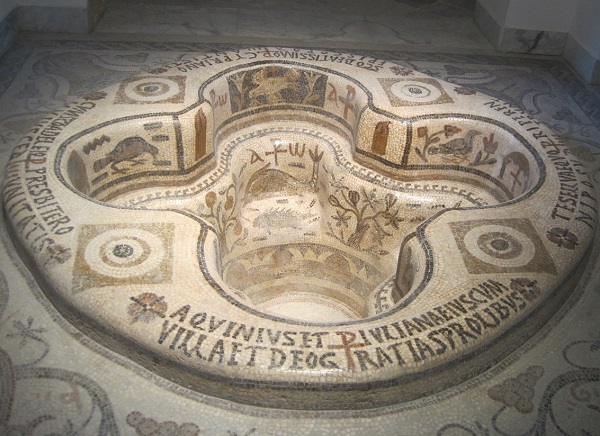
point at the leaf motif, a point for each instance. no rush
(420, 154)
(238, 102)
(334, 201)
(312, 97)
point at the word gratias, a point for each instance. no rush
(455, 324)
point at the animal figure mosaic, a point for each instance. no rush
(130, 151)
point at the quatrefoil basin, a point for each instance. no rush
(300, 229)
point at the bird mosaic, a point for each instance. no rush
(457, 147)
(129, 150)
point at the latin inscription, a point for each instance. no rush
(29, 201)
(208, 60)
(455, 324)
(575, 200)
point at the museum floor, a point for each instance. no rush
(55, 380)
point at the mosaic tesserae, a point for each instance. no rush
(298, 229)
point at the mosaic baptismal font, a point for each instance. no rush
(300, 229)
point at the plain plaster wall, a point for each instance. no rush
(586, 26)
(547, 15)
(579, 20)
(6, 6)
(496, 8)
(583, 43)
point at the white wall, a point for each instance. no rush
(8, 5)
(52, 3)
(548, 15)
(496, 8)
(586, 26)
(5, 7)
(579, 19)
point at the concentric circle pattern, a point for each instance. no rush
(414, 91)
(119, 254)
(153, 90)
(500, 246)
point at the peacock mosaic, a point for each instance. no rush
(271, 223)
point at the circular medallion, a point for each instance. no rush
(122, 252)
(500, 246)
(416, 91)
(151, 90)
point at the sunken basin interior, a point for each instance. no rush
(287, 210)
(290, 201)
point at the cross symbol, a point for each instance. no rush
(350, 95)
(276, 150)
(348, 343)
(516, 180)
